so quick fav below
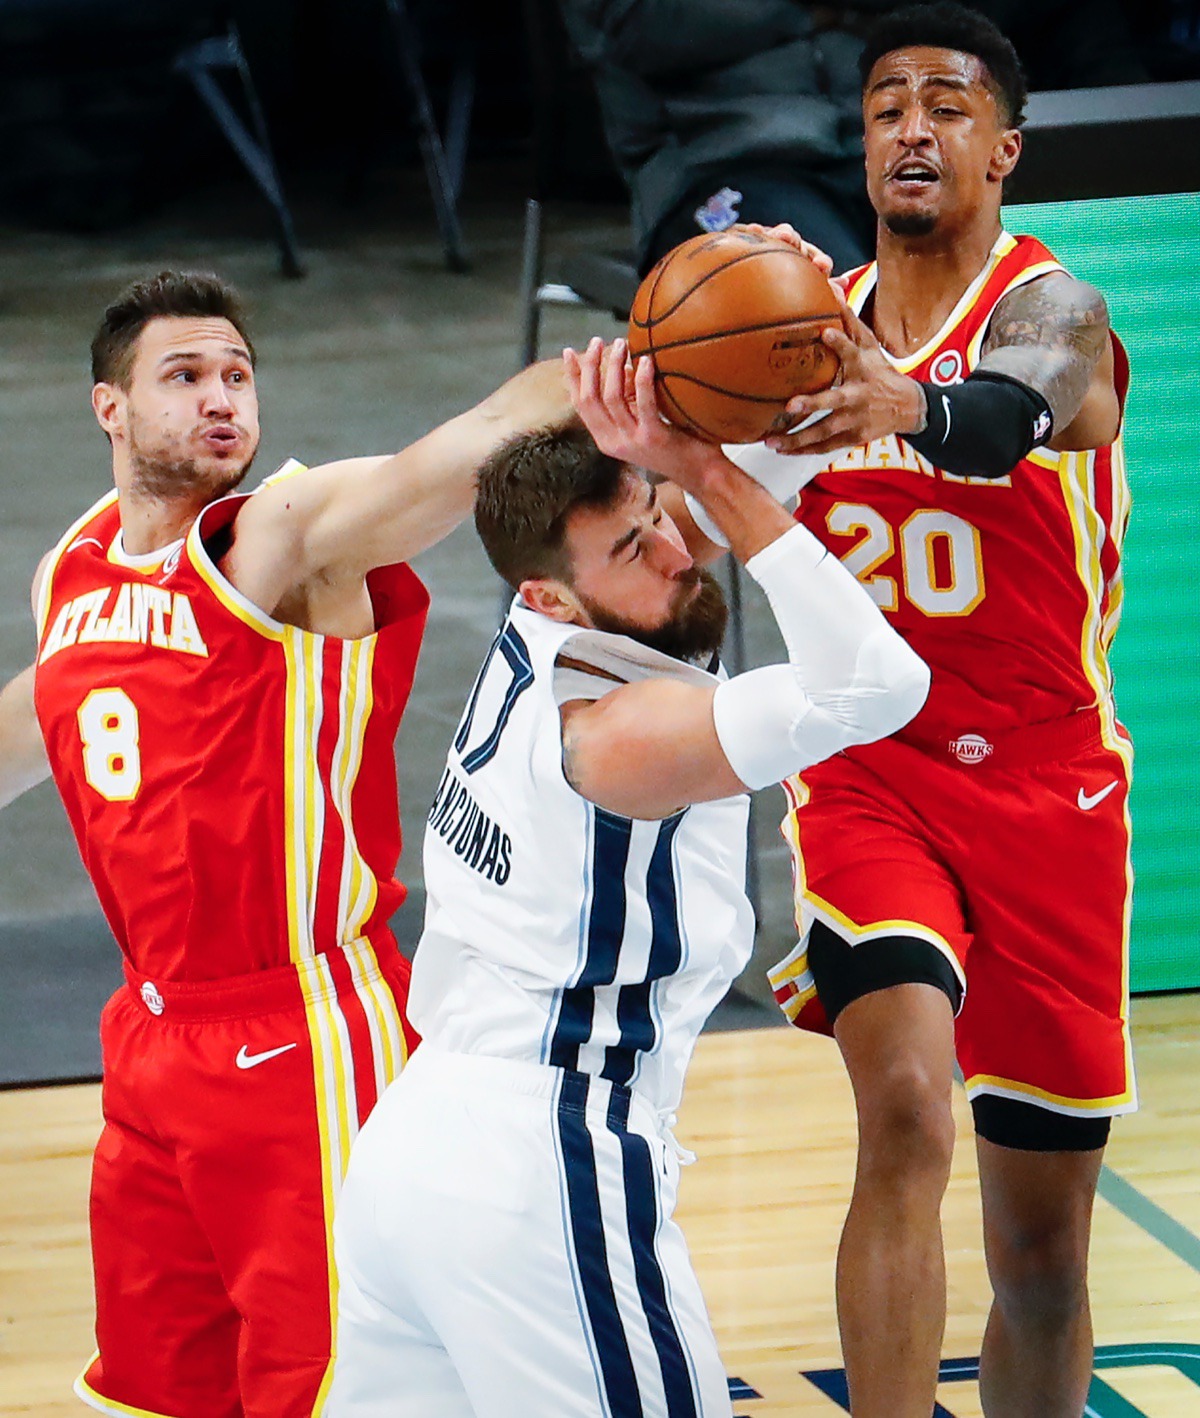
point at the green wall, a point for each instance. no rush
(1144, 254)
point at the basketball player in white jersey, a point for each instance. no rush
(585, 864)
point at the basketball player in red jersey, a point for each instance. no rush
(218, 683)
(965, 886)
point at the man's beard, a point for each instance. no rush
(910, 223)
(165, 476)
(165, 479)
(694, 632)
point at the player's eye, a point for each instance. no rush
(185, 376)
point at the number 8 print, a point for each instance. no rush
(108, 727)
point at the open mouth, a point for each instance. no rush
(914, 176)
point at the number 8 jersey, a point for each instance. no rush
(1010, 588)
(230, 779)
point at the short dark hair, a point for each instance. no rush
(949, 26)
(185, 293)
(526, 489)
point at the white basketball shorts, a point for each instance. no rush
(505, 1249)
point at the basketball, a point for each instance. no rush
(732, 322)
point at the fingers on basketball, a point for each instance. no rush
(732, 322)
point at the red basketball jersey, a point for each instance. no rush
(1009, 587)
(230, 779)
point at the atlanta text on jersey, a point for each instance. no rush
(140, 614)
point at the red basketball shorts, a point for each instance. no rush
(229, 1110)
(1011, 859)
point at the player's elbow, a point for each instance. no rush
(892, 686)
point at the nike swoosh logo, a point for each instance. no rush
(85, 542)
(1087, 801)
(245, 1060)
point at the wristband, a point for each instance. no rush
(982, 427)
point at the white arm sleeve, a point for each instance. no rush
(849, 677)
(782, 474)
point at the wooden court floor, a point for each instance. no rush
(770, 1115)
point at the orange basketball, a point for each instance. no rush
(733, 324)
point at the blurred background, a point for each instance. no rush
(416, 196)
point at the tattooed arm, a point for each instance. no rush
(1053, 335)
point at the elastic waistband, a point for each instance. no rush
(1019, 748)
(263, 991)
(585, 1093)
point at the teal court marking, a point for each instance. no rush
(1145, 1213)
(1103, 1400)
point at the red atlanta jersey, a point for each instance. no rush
(1009, 587)
(230, 779)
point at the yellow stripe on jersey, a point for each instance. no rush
(383, 1014)
(294, 782)
(1056, 1103)
(1121, 500)
(334, 1090)
(1022, 278)
(1077, 477)
(227, 593)
(314, 791)
(84, 1391)
(364, 700)
(1004, 244)
(45, 585)
(340, 781)
(357, 890)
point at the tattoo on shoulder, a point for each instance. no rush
(1050, 334)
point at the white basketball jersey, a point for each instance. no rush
(557, 932)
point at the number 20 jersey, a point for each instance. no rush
(230, 779)
(1010, 588)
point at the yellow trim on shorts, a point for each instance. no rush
(88, 1395)
(1077, 477)
(1056, 1102)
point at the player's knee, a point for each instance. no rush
(906, 1124)
(1039, 1278)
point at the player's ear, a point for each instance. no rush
(1005, 154)
(553, 598)
(108, 404)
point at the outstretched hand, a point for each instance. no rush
(616, 401)
(870, 400)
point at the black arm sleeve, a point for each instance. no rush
(982, 427)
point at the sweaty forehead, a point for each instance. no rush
(167, 335)
(919, 65)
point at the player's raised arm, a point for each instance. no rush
(648, 749)
(22, 753)
(617, 404)
(1045, 378)
(342, 519)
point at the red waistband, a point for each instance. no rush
(263, 992)
(1019, 748)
